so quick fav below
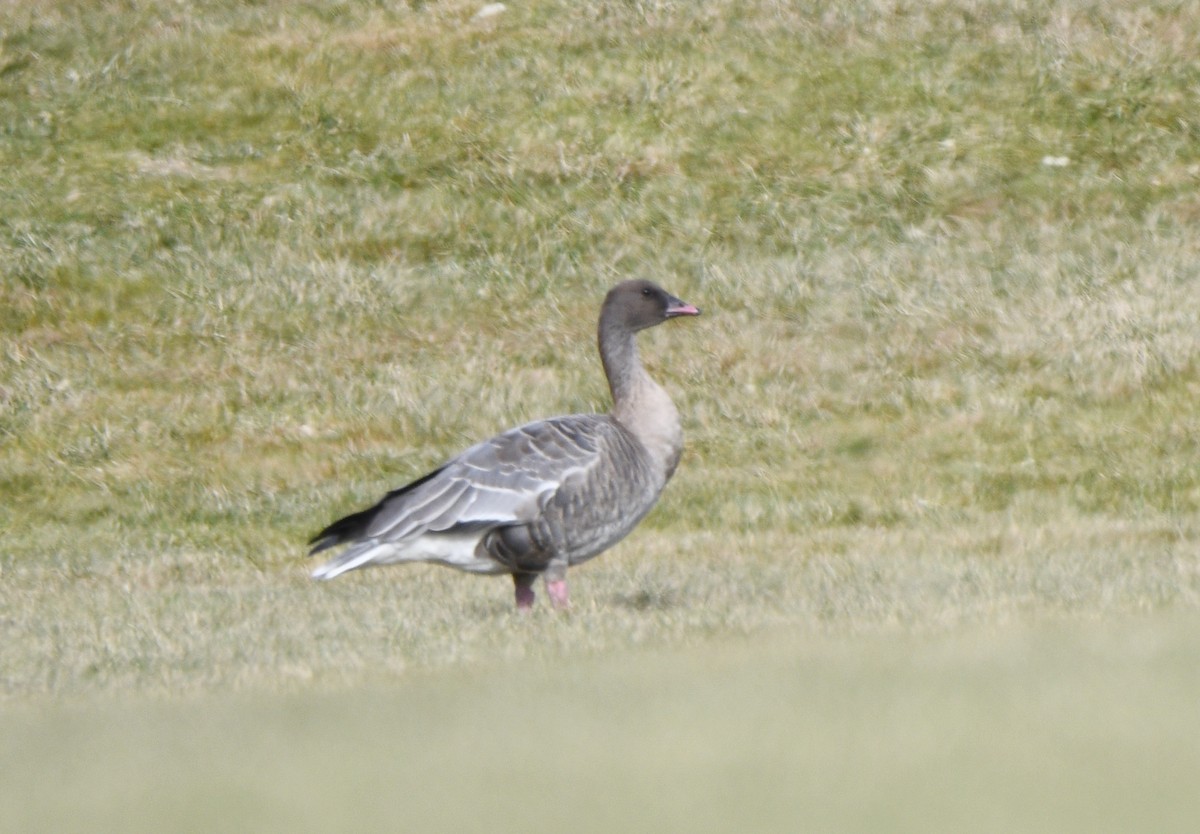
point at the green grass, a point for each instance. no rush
(261, 262)
(1084, 728)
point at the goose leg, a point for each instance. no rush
(524, 589)
(557, 590)
(556, 584)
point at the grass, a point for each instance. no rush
(260, 263)
(1070, 728)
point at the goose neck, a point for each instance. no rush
(622, 365)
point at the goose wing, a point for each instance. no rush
(503, 481)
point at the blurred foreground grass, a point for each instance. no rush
(1090, 727)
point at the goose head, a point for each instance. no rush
(638, 304)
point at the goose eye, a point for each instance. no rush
(647, 292)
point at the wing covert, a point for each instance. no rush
(505, 480)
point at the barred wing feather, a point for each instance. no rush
(507, 480)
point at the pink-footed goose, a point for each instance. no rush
(542, 497)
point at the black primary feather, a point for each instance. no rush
(355, 525)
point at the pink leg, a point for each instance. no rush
(557, 589)
(524, 588)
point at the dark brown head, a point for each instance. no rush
(636, 305)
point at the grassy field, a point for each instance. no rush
(1088, 727)
(930, 560)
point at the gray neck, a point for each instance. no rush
(639, 403)
(622, 365)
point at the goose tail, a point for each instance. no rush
(358, 556)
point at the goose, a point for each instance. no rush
(544, 496)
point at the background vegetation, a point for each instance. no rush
(929, 561)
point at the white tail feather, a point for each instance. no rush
(455, 551)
